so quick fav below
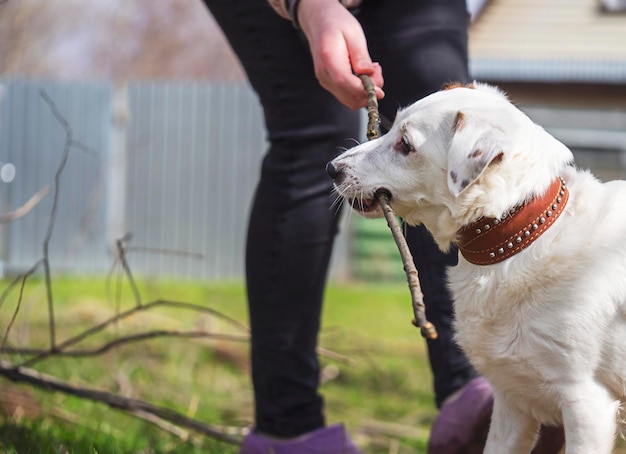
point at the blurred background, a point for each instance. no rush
(177, 136)
(168, 143)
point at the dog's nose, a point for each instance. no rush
(332, 171)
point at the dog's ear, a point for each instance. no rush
(475, 145)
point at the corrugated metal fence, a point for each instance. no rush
(175, 164)
(32, 141)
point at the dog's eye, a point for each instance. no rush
(404, 146)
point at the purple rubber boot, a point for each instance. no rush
(327, 440)
(463, 424)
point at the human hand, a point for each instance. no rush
(339, 50)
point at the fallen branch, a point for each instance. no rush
(132, 338)
(49, 383)
(137, 309)
(164, 418)
(163, 425)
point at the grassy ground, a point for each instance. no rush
(379, 386)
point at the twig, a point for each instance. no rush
(165, 418)
(45, 261)
(29, 272)
(53, 214)
(49, 383)
(373, 117)
(101, 326)
(152, 335)
(393, 430)
(15, 312)
(25, 209)
(123, 340)
(336, 356)
(121, 253)
(417, 298)
(165, 252)
(162, 424)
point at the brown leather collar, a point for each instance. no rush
(489, 240)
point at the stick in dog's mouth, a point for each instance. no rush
(428, 330)
(369, 205)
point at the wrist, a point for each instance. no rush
(311, 13)
(299, 10)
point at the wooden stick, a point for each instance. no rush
(50, 383)
(417, 297)
(373, 118)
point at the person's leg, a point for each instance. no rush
(292, 225)
(422, 44)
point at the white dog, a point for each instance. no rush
(540, 288)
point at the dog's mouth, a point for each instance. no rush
(368, 205)
(364, 205)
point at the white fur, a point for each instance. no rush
(546, 327)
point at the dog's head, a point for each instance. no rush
(450, 158)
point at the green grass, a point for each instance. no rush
(380, 387)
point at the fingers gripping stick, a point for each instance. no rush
(417, 297)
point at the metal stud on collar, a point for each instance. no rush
(535, 226)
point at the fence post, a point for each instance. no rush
(4, 230)
(116, 173)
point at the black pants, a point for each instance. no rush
(420, 44)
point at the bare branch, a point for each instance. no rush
(121, 254)
(163, 425)
(29, 272)
(101, 326)
(164, 418)
(120, 341)
(26, 208)
(84, 148)
(49, 383)
(153, 335)
(15, 312)
(170, 252)
(128, 340)
(53, 214)
(335, 355)
(69, 144)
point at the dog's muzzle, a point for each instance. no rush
(332, 170)
(336, 172)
